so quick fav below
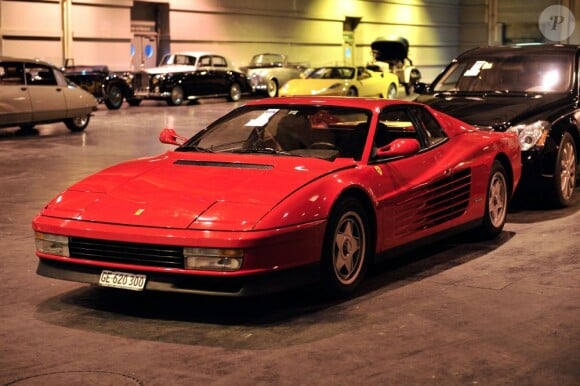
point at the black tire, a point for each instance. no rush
(234, 92)
(134, 101)
(392, 92)
(496, 203)
(272, 88)
(347, 248)
(352, 92)
(564, 182)
(114, 98)
(78, 123)
(176, 97)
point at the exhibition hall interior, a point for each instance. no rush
(289, 192)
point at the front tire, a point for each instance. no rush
(496, 204)
(352, 92)
(346, 249)
(176, 96)
(235, 92)
(272, 89)
(392, 93)
(114, 98)
(77, 123)
(565, 173)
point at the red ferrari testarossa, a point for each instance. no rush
(278, 193)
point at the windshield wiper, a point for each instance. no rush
(262, 150)
(195, 148)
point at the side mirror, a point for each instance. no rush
(401, 147)
(170, 137)
(421, 88)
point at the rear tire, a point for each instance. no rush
(352, 92)
(272, 89)
(347, 248)
(77, 123)
(114, 98)
(496, 203)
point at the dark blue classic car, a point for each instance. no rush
(188, 76)
(531, 90)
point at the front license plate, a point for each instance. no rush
(125, 280)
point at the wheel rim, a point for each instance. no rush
(115, 96)
(235, 92)
(272, 88)
(567, 170)
(497, 204)
(349, 248)
(177, 95)
(80, 121)
(392, 94)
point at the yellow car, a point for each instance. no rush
(344, 81)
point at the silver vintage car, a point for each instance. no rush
(268, 72)
(34, 92)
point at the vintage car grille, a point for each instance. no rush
(439, 202)
(127, 253)
(141, 81)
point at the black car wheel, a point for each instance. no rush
(565, 172)
(77, 123)
(352, 92)
(272, 88)
(176, 97)
(346, 248)
(496, 204)
(235, 92)
(114, 98)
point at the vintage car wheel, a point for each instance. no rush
(114, 98)
(565, 172)
(352, 92)
(134, 101)
(392, 93)
(272, 89)
(235, 92)
(496, 204)
(176, 97)
(77, 123)
(346, 248)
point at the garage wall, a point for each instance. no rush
(311, 31)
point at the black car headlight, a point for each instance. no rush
(532, 134)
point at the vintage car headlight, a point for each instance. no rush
(51, 244)
(215, 259)
(530, 135)
(156, 79)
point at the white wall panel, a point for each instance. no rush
(101, 22)
(30, 19)
(49, 51)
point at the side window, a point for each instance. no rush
(205, 61)
(430, 128)
(39, 75)
(219, 61)
(11, 74)
(394, 123)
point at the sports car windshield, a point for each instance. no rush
(308, 131)
(332, 73)
(542, 74)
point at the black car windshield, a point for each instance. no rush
(528, 74)
(288, 130)
(332, 73)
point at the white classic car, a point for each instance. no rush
(268, 72)
(34, 92)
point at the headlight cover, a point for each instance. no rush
(213, 259)
(530, 135)
(52, 244)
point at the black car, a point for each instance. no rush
(108, 87)
(188, 76)
(531, 90)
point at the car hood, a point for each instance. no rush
(497, 111)
(310, 86)
(189, 190)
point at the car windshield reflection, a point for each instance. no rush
(540, 74)
(306, 131)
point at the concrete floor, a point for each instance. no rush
(505, 312)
